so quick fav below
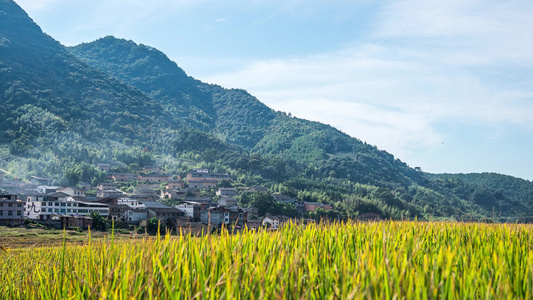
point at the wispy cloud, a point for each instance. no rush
(476, 31)
(427, 63)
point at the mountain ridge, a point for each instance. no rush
(259, 128)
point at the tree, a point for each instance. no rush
(134, 167)
(224, 184)
(99, 222)
(289, 210)
(263, 202)
(169, 225)
(385, 195)
(73, 176)
(153, 225)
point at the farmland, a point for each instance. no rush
(414, 260)
(18, 237)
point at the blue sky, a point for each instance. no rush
(443, 85)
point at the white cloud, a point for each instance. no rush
(477, 31)
(384, 95)
(349, 90)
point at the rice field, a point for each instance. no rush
(385, 260)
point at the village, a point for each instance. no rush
(201, 202)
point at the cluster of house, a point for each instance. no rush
(40, 200)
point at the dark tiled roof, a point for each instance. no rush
(154, 204)
(169, 210)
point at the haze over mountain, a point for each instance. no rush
(234, 115)
(444, 86)
(112, 100)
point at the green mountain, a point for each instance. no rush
(56, 111)
(515, 189)
(114, 101)
(45, 87)
(239, 118)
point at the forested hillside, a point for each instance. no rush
(239, 118)
(517, 189)
(232, 114)
(114, 101)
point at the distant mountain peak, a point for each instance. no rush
(122, 53)
(15, 23)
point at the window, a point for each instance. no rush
(19, 213)
(57, 204)
(10, 205)
(56, 210)
(68, 209)
(19, 204)
(1, 212)
(9, 212)
(49, 210)
(63, 204)
(69, 204)
(62, 210)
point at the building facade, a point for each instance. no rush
(154, 177)
(43, 207)
(135, 215)
(11, 210)
(312, 206)
(226, 192)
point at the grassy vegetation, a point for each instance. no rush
(17, 237)
(328, 261)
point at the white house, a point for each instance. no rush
(73, 192)
(43, 207)
(191, 210)
(46, 189)
(274, 221)
(133, 203)
(226, 192)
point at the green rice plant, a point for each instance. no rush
(382, 260)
